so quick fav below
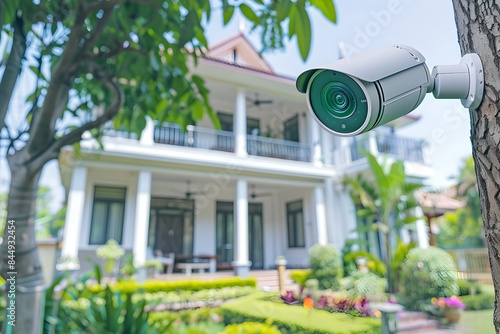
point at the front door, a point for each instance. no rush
(169, 233)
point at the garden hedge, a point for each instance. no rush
(189, 285)
(293, 319)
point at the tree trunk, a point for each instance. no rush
(479, 31)
(19, 257)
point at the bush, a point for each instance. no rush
(300, 276)
(373, 263)
(482, 301)
(466, 287)
(191, 285)
(250, 328)
(360, 284)
(326, 266)
(427, 273)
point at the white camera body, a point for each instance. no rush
(354, 95)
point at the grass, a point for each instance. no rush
(476, 322)
(295, 319)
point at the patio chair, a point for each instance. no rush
(166, 261)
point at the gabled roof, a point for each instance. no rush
(238, 50)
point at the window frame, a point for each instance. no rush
(107, 202)
(298, 227)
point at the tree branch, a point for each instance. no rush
(110, 112)
(12, 69)
(43, 124)
(101, 24)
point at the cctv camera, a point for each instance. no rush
(354, 95)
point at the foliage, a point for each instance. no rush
(250, 328)
(372, 262)
(292, 319)
(168, 320)
(187, 297)
(387, 201)
(300, 276)
(399, 256)
(463, 227)
(326, 266)
(482, 301)
(110, 252)
(78, 309)
(466, 287)
(425, 274)
(362, 285)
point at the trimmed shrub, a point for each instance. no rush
(190, 285)
(300, 276)
(427, 273)
(326, 266)
(250, 328)
(482, 301)
(466, 287)
(360, 284)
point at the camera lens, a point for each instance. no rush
(338, 99)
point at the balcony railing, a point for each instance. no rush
(210, 139)
(407, 149)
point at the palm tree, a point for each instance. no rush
(386, 197)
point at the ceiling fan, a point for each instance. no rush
(254, 194)
(256, 102)
(189, 193)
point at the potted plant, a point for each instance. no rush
(452, 308)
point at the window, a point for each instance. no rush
(107, 215)
(295, 224)
(291, 131)
(226, 122)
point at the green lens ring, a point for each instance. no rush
(338, 102)
(338, 99)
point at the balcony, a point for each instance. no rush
(210, 139)
(406, 149)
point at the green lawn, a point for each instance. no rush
(476, 322)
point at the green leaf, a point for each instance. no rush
(249, 13)
(291, 23)
(228, 14)
(303, 31)
(283, 9)
(327, 8)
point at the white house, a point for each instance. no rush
(268, 184)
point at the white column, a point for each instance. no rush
(421, 228)
(315, 141)
(326, 147)
(335, 225)
(147, 135)
(319, 199)
(372, 143)
(241, 263)
(73, 223)
(240, 124)
(141, 227)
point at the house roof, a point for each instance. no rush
(437, 203)
(239, 51)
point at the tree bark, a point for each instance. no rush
(478, 25)
(12, 69)
(19, 264)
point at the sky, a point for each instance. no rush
(426, 25)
